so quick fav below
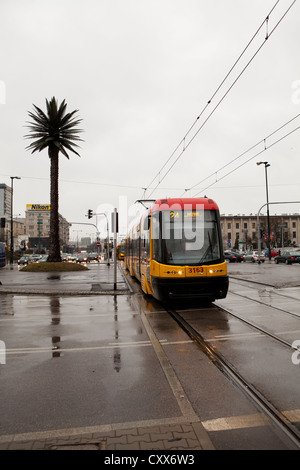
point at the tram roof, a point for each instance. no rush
(184, 203)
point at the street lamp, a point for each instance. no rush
(268, 214)
(11, 219)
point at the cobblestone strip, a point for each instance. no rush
(184, 436)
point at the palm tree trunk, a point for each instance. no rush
(54, 248)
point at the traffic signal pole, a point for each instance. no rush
(114, 223)
(115, 229)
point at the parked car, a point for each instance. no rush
(35, 258)
(42, 259)
(239, 256)
(253, 256)
(274, 252)
(2, 255)
(230, 257)
(288, 257)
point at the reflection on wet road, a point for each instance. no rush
(75, 361)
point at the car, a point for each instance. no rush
(288, 257)
(42, 259)
(82, 258)
(274, 252)
(239, 256)
(2, 255)
(24, 260)
(35, 258)
(253, 256)
(93, 257)
(230, 257)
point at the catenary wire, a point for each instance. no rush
(254, 156)
(210, 100)
(243, 153)
(220, 101)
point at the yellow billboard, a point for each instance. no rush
(38, 207)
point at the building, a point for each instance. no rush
(5, 201)
(5, 218)
(241, 231)
(37, 226)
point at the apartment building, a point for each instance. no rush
(241, 231)
(37, 226)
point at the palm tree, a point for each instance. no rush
(56, 131)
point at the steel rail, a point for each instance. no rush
(231, 373)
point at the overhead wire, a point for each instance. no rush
(245, 152)
(183, 140)
(254, 156)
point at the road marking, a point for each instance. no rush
(51, 349)
(235, 422)
(212, 425)
(246, 421)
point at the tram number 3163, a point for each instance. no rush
(195, 270)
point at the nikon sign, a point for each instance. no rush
(38, 207)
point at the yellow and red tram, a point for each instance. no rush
(175, 250)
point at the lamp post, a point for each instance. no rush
(11, 219)
(268, 214)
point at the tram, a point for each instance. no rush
(120, 251)
(175, 250)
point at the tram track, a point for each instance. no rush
(249, 284)
(230, 371)
(257, 328)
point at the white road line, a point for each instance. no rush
(51, 349)
(246, 421)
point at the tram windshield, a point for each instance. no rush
(186, 237)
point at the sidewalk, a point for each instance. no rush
(174, 433)
(139, 436)
(98, 279)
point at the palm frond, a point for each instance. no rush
(55, 128)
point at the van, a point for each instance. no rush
(2, 255)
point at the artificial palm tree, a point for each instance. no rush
(58, 132)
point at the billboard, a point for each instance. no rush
(38, 207)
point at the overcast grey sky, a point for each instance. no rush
(140, 72)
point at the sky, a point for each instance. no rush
(167, 108)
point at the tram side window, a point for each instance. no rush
(145, 239)
(156, 244)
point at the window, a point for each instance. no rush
(237, 225)
(245, 224)
(184, 237)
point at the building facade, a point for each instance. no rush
(241, 231)
(5, 201)
(37, 226)
(5, 218)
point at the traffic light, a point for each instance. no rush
(90, 213)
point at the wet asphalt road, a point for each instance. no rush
(90, 359)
